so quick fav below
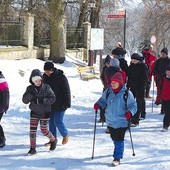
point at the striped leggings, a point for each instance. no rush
(44, 129)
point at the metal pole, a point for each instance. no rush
(125, 30)
(94, 134)
(133, 152)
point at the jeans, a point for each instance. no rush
(56, 121)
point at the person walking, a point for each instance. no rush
(103, 80)
(118, 113)
(150, 59)
(137, 81)
(164, 86)
(41, 97)
(159, 71)
(59, 84)
(4, 105)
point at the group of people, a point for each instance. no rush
(136, 78)
(48, 96)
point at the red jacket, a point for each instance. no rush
(165, 88)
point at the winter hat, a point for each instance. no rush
(114, 62)
(136, 56)
(107, 59)
(49, 66)
(167, 67)
(118, 77)
(36, 78)
(165, 50)
(116, 51)
(35, 75)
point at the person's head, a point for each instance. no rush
(115, 53)
(167, 71)
(107, 60)
(36, 77)
(135, 58)
(114, 62)
(117, 81)
(164, 52)
(48, 68)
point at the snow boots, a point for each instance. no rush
(32, 151)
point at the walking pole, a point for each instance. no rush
(133, 152)
(94, 134)
(153, 93)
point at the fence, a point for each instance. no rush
(12, 32)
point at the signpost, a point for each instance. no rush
(120, 14)
(96, 43)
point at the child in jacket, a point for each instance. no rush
(40, 98)
(118, 113)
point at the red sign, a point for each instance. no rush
(115, 16)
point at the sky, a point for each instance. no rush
(151, 146)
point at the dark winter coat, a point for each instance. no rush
(59, 84)
(40, 98)
(159, 68)
(109, 72)
(123, 64)
(137, 77)
(4, 94)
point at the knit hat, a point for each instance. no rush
(49, 66)
(136, 56)
(35, 75)
(114, 62)
(165, 50)
(36, 78)
(107, 59)
(118, 77)
(116, 51)
(167, 67)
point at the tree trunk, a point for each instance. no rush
(57, 36)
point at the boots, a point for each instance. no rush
(65, 140)
(53, 145)
(32, 151)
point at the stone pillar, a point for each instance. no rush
(29, 31)
(87, 32)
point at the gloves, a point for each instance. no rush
(128, 115)
(32, 90)
(96, 107)
(38, 101)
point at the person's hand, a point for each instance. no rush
(96, 107)
(128, 115)
(32, 90)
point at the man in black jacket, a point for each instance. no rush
(137, 81)
(59, 84)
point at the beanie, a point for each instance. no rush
(35, 75)
(107, 59)
(49, 66)
(165, 50)
(114, 62)
(116, 51)
(136, 56)
(34, 78)
(118, 77)
(167, 67)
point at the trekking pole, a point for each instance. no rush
(94, 134)
(133, 152)
(153, 93)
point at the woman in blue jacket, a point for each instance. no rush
(118, 113)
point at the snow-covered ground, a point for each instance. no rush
(151, 146)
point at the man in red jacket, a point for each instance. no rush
(150, 58)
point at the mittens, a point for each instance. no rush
(96, 107)
(128, 115)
